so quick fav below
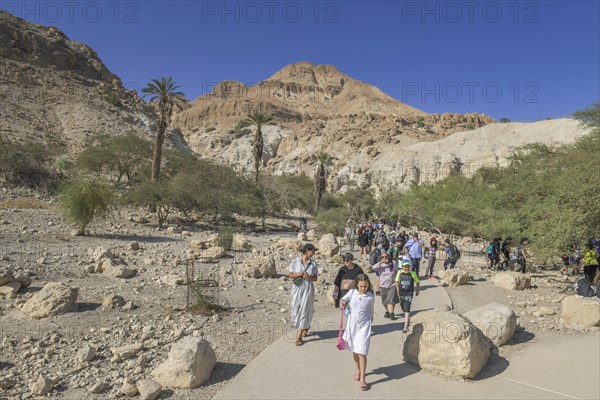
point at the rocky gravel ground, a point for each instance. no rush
(147, 310)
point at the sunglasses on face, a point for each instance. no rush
(346, 259)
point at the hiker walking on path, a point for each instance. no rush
(405, 285)
(303, 272)
(505, 250)
(344, 280)
(352, 238)
(522, 254)
(451, 255)
(415, 250)
(590, 260)
(430, 255)
(363, 242)
(387, 270)
(360, 302)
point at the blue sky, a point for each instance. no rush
(522, 60)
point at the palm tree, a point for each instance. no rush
(164, 94)
(258, 120)
(324, 160)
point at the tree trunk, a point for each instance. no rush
(258, 151)
(157, 158)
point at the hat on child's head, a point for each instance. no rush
(405, 262)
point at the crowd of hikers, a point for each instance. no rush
(395, 257)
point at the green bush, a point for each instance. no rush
(83, 200)
(420, 122)
(119, 156)
(225, 239)
(242, 132)
(112, 98)
(208, 130)
(28, 164)
(332, 220)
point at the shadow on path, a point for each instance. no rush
(495, 366)
(393, 372)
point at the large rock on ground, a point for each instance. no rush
(53, 299)
(257, 266)
(311, 235)
(10, 290)
(584, 311)
(454, 277)
(189, 364)
(149, 389)
(116, 268)
(302, 236)
(446, 343)
(328, 245)
(212, 254)
(241, 243)
(100, 253)
(290, 244)
(497, 322)
(512, 280)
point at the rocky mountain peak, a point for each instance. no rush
(308, 74)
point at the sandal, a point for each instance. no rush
(299, 341)
(304, 332)
(356, 376)
(363, 386)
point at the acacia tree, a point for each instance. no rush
(258, 120)
(324, 160)
(164, 93)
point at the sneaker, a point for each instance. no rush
(392, 316)
(386, 315)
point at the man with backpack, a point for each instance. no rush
(493, 252)
(505, 251)
(451, 255)
(381, 238)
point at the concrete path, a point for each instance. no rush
(563, 369)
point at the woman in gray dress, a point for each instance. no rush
(303, 272)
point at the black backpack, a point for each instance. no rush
(584, 288)
(375, 256)
(453, 253)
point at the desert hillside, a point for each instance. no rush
(57, 90)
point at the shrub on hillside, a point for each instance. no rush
(28, 164)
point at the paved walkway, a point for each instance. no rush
(562, 369)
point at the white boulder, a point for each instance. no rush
(497, 322)
(189, 364)
(511, 280)
(584, 311)
(53, 299)
(446, 343)
(328, 245)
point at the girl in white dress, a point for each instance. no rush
(303, 272)
(361, 303)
